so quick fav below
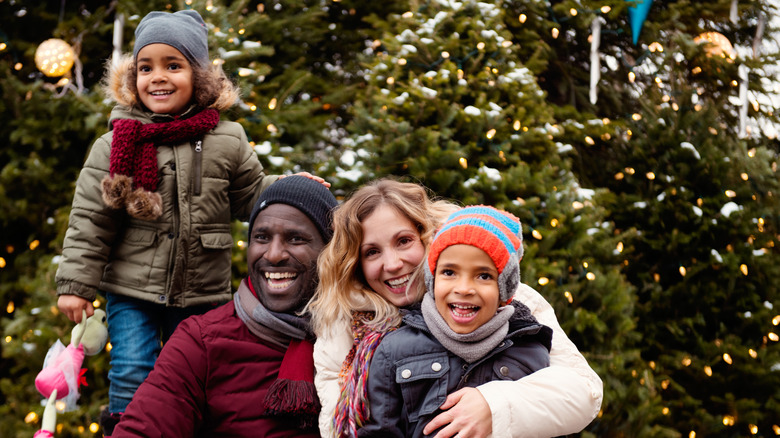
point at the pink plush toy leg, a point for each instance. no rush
(66, 368)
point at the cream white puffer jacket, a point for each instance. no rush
(558, 400)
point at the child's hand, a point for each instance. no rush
(72, 305)
(310, 176)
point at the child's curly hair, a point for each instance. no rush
(211, 87)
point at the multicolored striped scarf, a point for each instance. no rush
(352, 407)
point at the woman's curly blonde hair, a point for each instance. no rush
(211, 87)
(339, 269)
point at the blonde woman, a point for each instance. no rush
(367, 275)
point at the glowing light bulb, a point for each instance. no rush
(54, 57)
(31, 417)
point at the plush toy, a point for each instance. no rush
(49, 420)
(62, 370)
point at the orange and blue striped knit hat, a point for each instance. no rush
(496, 232)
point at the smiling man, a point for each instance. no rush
(246, 369)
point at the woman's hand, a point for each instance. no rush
(466, 415)
(72, 305)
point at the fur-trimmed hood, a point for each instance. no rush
(118, 86)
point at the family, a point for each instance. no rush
(392, 313)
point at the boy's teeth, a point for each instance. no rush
(464, 311)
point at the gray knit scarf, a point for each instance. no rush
(273, 327)
(468, 346)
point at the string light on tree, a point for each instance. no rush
(54, 57)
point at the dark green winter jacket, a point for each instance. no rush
(182, 258)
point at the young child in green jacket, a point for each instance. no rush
(150, 220)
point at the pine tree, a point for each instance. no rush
(698, 197)
(49, 125)
(650, 214)
(450, 103)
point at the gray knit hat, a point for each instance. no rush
(185, 31)
(305, 194)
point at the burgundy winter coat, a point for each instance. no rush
(210, 380)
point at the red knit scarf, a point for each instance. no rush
(134, 155)
(292, 397)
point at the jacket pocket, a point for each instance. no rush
(132, 261)
(209, 267)
(519, 361)
(216, 240)
(423, 382)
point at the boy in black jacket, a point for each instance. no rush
(467, 330)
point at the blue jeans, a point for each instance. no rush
(137, 330)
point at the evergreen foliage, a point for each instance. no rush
(650, 216)
(450, 103)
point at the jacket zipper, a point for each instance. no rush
(197, 165)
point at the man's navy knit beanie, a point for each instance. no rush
(305, 194)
